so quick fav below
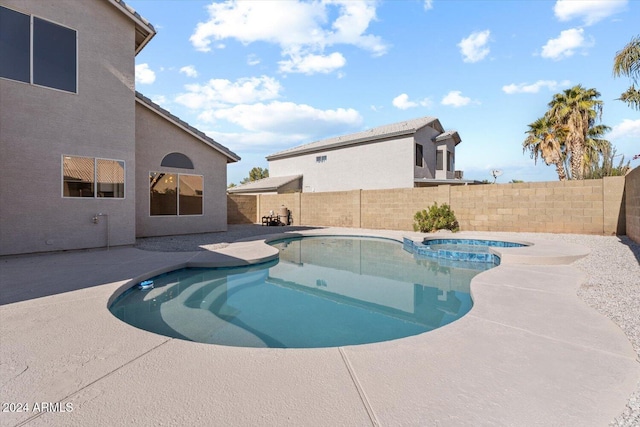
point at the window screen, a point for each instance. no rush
(54, 55)
(15, 36)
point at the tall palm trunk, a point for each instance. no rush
(577, 156)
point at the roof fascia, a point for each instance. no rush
(141, 23)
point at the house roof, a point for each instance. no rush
(407, 127)
(264, 184)
(144, 29)
(143, 100)
(453, 134)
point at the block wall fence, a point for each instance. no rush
(599, 206)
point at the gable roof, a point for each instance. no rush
(407, 127)
(450, 134)
(264, 184)
(144, 29)
(143, 100)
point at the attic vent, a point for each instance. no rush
(177, 160)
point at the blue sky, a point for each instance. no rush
(263, 76)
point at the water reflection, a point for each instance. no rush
(323, 292)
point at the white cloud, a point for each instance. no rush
(253, 59)
(626, 129)
(288, 117)
(189, 70)
(591, 11)
(311, 64)
(144, 74)
(474, 48)
(455, 99)
(428, 4)
(160, 100)
(534, 87)
(221, 92)
(566, 44)
(402, 102)
(300, 28)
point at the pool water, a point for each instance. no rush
(322, 292)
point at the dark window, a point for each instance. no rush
(45, 55)
(15, 36)
(190, 191)
(54, 55)
(175, 194)
(450, 162)
(419, 155)
(321, 159)
(177, 160)
(439, 160)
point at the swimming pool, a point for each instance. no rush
(322, 292)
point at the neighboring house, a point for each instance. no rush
(413, 153)
(86, 161)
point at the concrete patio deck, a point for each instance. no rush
(530, 352)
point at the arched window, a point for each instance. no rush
(177, 160)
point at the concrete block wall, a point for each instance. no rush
(549, 207)
(334, 209)
(632, 204)
(394, 209)
(580, 207)
(241, 209)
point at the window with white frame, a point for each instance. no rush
(321, 159)
(175, 194)
(92, 177)
(37, 51)
(439, 160)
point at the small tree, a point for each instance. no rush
(435, 218)
(255, 174)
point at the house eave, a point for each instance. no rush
(144, 30)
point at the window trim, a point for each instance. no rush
(177, 196)
(95, 178)
(31, 31)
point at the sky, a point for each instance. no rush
(263, 76)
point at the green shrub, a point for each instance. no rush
(435, 218)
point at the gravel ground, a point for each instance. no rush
(612, 286)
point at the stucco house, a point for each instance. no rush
(412, 153)
(87, 161)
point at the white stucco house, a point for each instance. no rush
(87, 161)
(412, 153)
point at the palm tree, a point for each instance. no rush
(596, 148)
(545, 140)
(576, 111)
(627, 63)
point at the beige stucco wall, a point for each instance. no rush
(155, 138)
(38, 125)
(384, 164)
(632, 204)
(582, 207)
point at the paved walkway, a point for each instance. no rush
(530, 352)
